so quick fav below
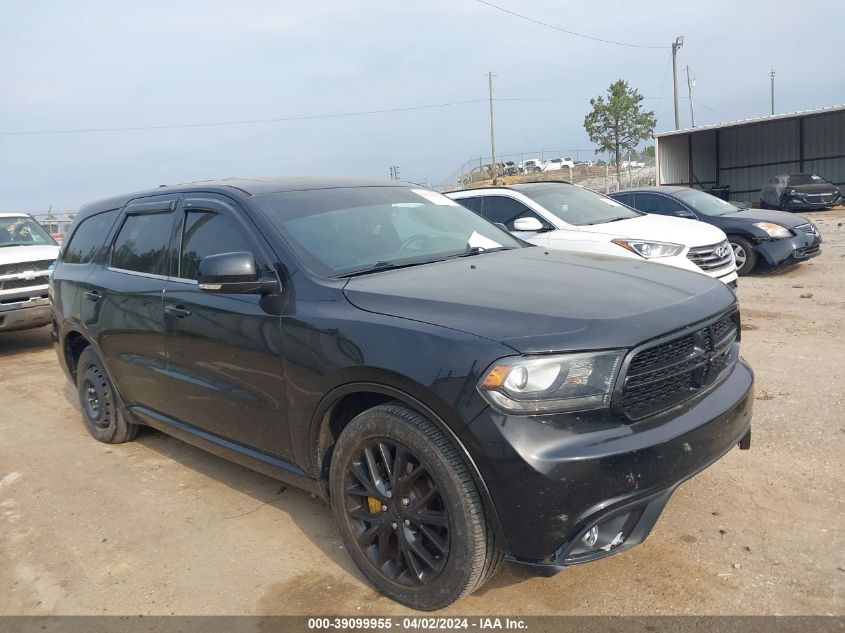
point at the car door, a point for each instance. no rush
(505, 210)
(121, 300)
(224, 366)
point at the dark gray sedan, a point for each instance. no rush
(794, 192)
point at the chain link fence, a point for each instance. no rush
(575, 166)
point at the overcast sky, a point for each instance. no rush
(86, 64)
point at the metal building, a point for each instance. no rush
(743, 155)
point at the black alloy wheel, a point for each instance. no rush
(409, 510)
(397, 512)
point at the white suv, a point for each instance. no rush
(568, 217)
(27, 255)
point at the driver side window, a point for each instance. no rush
(208, 233)
(500, 209)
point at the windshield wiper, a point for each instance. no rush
(478, 250)
(384, 265)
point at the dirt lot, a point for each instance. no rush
(159, 527)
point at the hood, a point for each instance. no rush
(535, 300)
(662, 229)
(15, 254)
(789, 220)
(823, 187)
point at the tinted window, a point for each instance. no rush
(499, 209)
(624, 198)
(577, 205)
(796, 180)
(141, 244)
(705, 203)
(346, 230)
(88, 238)
(652, 203)
(208, 233)
(473, 204)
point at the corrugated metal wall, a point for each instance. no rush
(751, 154)
(824, 135)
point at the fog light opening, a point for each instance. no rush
(589, 539)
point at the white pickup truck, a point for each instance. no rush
(553, 164)
(27, 255)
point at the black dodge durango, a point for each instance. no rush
(460, 397)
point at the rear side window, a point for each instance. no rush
(651, 203)
(208, 233)
(141, 245)
(625, 198)
(473, 204)
(88, 238)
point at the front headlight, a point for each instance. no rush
(650, 250)
(545, 384)
(774, 230)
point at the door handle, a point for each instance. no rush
(93, 295)
(178, 311)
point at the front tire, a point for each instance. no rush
(98, 400)
(408, 509)
(744, 255)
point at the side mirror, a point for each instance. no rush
(232, 273)
(528, 224)
(683, 213)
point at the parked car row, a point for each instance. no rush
(772, 238)
(537, 165)
(458, 394)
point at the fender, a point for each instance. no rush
(334, 396)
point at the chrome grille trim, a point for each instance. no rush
(709, 257)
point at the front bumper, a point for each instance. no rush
(800, 203)
(788, 251)
(552, 478)
(25, 313)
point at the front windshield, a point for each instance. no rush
(796, 180)
(351, 230)
(705, 203)
(23, 231)
(576, 205)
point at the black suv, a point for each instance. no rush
(460, 397)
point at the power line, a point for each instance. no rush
(138, 128)
(307, 117)
(707, 107)
(562, 30)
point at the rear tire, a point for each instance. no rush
(746, 258)
(98, 401)
(408, 509)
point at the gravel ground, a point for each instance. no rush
(159, 527)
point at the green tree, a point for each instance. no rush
(649, 151)
(618, 123)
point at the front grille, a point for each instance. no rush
(819, 198)
(668, 373)
(14, 284)
(809, 251)
(22, 267)
(711, 257)
(807, 229)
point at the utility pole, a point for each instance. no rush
(772, 75)
(679, 41)
(690, 84)
(492, 134)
